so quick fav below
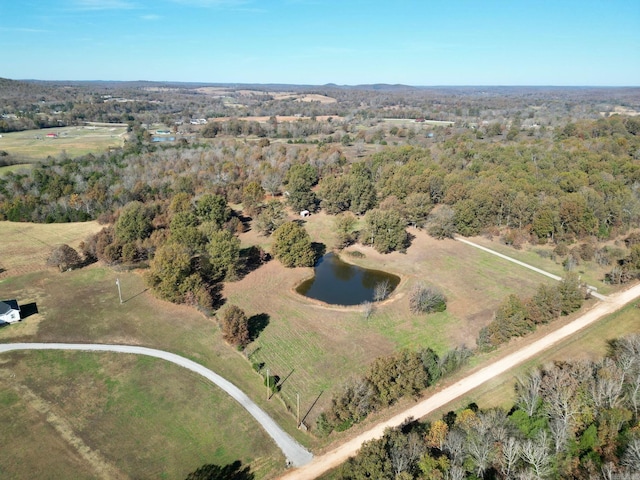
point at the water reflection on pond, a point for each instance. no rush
(340, 283)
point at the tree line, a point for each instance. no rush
(570, 420)
(405, 373)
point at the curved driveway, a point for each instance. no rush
(295, 453)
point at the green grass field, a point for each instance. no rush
(72, 141)
(139, 417)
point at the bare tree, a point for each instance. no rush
(608, 383)
(367, 310)
(454, 446)
(509, 456)
(560, 389)
(559, 433)
(631, 456)
(456, 472)
(536, 454)
(405, 451)
(480, 450)
(528, 391)
(381, 290)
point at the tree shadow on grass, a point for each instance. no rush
(233, 471)
(217, 300)
(251, 259)
(256, 324)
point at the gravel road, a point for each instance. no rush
(332, 459)
(295, 453)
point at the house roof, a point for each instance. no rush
(8, 305)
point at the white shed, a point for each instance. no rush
(9, 311)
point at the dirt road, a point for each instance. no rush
(332, 459)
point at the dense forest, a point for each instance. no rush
(571, 420)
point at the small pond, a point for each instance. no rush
(340, 283)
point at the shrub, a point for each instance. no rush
(426, 300)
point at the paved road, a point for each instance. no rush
(334, 458)
(295, 453)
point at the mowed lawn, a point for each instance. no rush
(102, 415)
(73, 141)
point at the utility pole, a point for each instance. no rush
(298, 410)
(119, 292)
(268, 384)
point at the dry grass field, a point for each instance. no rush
(590, 272)
(25, 247)
(73, 141)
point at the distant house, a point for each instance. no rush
(52, 135)
(9, 311)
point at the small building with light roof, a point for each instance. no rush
(9, 311)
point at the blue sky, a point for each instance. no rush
(414, 42)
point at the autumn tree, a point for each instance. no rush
(441, 224)
(235, 326)
(299, 180)
(252, 196)
(64, 257)
(344, 224)
(292, 246)
(223, 249)
(173, 278)
(184, 230)
(213, 208)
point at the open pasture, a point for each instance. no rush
(102, 415)
(25, 247)
(73, 141)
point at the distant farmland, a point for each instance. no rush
(74, 141)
